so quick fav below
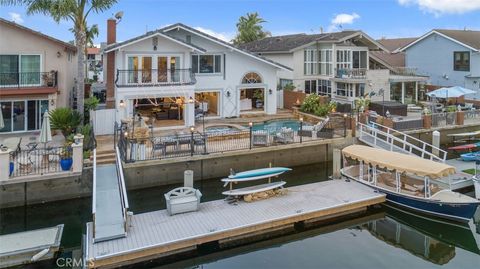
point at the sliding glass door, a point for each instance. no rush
(24, 115)
(20, 70)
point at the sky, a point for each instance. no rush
(377, 18)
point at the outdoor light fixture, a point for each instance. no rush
(52, 102)
(192, 129)
(228, 93)
(270, 91)
(126, 134)
(301, 119)
(250, 124)
(59, 54)
(190, 100)
(345, 115)
(122, 103)
(297, 102)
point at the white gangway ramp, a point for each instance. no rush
(379, 136)
(109, 200)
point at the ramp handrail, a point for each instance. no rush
(406, 142)
(122, 188)
(94, 192)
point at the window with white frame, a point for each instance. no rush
(310, 86)
(344, 89)
(310, 60)
(324, 87)
(325, 62)
(22, 115)
(207, 64)
(20, 69)
(344, 59)
(359, 59)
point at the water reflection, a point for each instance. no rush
(432, 240)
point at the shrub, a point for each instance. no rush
(66, 120)
(289, 87)
(312, 105)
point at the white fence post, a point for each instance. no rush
(77, 155)
(188, 178)
(4, 164)
(436, 143)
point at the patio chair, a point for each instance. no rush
(158, 144)
(260, 138)
(285, 136)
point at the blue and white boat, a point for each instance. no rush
(408, 181)
(470, 157)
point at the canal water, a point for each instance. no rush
(381, 238)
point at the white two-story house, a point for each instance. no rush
(340, 65)
(177, 74)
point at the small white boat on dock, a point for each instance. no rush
(257, 174)
(30, 246)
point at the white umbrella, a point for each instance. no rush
(45, 132)
(450, 92)
(2, 123)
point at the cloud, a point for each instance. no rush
(341, 19)
(345, 18)
(439, 7)
(227, 37)
(15, 17)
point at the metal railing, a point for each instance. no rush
(38, 161)
(154, 77)
(379, 136)
(404, 71)
(191, 144)
(122, 188)
(444, 119)
(359, 73)
(28, 79)
(94, 191)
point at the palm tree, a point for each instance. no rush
(249, 29)
(90, 34)
(75, 11)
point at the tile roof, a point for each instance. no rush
(392, 59)
(288, 42)
(395, 43)
(467, 37)
(93, 50)
(63, 43)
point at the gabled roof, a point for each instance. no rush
(289, 43)
(389, 59)
(149, 34)
(31, 31)
(225, 44)
(467, 38)
(393, 44)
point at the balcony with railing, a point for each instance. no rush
(351, 73)
(405, 71)
(29, 80)
(154, 77)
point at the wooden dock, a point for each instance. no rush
(156, 234)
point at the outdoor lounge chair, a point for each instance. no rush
(260, 138)
(285, 136)
(309, 130)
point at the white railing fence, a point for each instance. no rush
(122, 188)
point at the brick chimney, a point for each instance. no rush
(111, 38)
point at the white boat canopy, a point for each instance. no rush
(398, 161)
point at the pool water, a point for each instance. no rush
(220, 129)
(275, 125)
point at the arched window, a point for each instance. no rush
(251, 78)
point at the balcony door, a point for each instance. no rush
(20, 70)
(162, 66)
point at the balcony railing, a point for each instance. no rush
(154, 77)
(405, 71)
(28, 79)
(355, 73)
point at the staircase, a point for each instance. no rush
(379, 136)
(105, 157)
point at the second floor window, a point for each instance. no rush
(359, 59)
(20, 69)
(461, 61)
(310, 62)
(207, 64)
(344, 59)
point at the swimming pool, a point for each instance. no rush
(275, 125)
(220, 129)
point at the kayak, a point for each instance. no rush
(260, 173)
(470, 157)
(465, 147)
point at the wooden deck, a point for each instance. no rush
(154, 234)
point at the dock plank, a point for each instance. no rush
(156, 232)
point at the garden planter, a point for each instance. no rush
(66, 164)
(451, 118)
(427, 121)
(460, 118)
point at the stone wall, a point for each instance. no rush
(290, 98)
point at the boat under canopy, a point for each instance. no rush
(398, 161)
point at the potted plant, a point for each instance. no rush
(65, 119)
(49, 78)
(66, 160)
(258, 95)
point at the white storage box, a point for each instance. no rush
(182, 199)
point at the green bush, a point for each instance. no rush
(312, 105)
(66, 120)
(289, 87)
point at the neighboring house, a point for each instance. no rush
(177, 74)
(341, 65)
(36, 74)
(95, 64)
(448, 57)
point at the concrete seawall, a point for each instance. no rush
(146, 174)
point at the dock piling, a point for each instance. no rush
(188, 178)
(337, 161)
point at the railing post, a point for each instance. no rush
(192, 144)
(251, 129)
(77, 154)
